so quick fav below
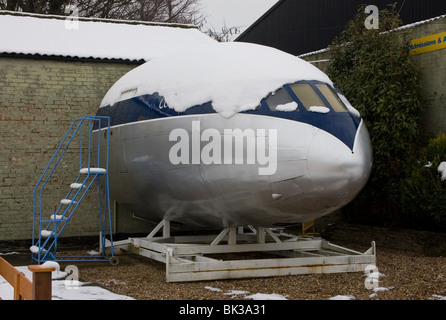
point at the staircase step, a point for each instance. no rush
(77, 185)
(35, 249)
(57, 218)
(67, 201)
(45, 233)
(93, 170)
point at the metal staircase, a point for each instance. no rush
(47, 227)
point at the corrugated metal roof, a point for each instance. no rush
(301, 26)
(89, 38)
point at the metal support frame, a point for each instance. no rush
(233, 254)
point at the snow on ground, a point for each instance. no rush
(214, 289)
(76, 290)
(248, 295)
(266, 296)
(68, 289)
(342, 297)
(64, 289)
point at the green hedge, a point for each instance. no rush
(423, 194)
(380, 78)
(378, 75)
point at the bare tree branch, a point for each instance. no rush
(225, 35)
(172, 11)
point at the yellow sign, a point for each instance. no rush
(428, 44)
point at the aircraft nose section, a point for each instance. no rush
(339, 171)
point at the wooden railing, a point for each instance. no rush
(40, 288)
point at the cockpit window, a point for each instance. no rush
(314, 97)
(307, 95)
(281, 101)
(331, 97)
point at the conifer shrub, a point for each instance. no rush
(375, 71)
(423, 193)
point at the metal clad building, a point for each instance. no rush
(302, 26)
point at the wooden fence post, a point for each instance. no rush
(42, 286)
(39, 289)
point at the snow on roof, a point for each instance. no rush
(404, 27)
(415, 24)
(49, 35)
(235, 76)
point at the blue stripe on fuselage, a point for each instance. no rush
(340, 124)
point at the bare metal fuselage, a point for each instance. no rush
(313, 172)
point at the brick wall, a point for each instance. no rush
(39, 99)
(433, 73)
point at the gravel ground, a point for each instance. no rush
(404, 276)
